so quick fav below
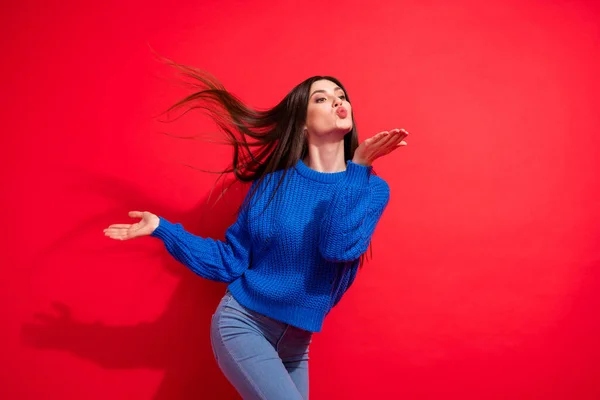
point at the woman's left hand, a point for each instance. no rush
(379, 145)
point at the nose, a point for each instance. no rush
(337, 102)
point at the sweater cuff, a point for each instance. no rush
(358, 174)
(164, 230)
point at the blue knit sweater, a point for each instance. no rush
(291, 259)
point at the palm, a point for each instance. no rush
(379, 145)
(145, 227)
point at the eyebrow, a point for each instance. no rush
(324, 91)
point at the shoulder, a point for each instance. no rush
(269, 181)
(263, 187)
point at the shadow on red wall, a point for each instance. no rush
(178, 341)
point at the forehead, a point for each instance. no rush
(323, 84)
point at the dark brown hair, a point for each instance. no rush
(263, 141)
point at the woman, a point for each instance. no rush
(300, 234)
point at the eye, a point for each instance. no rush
(319, 100)
(343, 97)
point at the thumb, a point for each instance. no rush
(136, 214)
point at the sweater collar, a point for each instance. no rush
(325, 177)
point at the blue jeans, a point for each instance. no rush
(262, 358)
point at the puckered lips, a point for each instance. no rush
(341, 112)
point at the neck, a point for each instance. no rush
(327, 157)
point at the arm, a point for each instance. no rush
(222, 261)
(351, 217)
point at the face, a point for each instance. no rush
(328, 110)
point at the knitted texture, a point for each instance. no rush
(293, 255)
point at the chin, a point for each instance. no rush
(343, 131)
(337, 131)
(346, 129)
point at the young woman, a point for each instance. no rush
(300, 234)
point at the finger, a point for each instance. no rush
(400, 139)
(136, 214)
(400, 136)
(382, 137)
(119, 226)
(392, 145)
(376, 138)
(396, 140)
(400, 131)
(116, 233)
(117, 236)
(384, 143)
(389, 140)
(397, 133)
(392, 148)
(401, 144)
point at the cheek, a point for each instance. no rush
(315, 117)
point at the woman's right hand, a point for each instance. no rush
(379, 145)
(144, 227)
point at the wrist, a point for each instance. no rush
(155, 222)
(359, 161)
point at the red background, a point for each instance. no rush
(485, 277)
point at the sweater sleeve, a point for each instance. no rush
(351, 217)
(221, 261)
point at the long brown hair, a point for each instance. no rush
(263, 141)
